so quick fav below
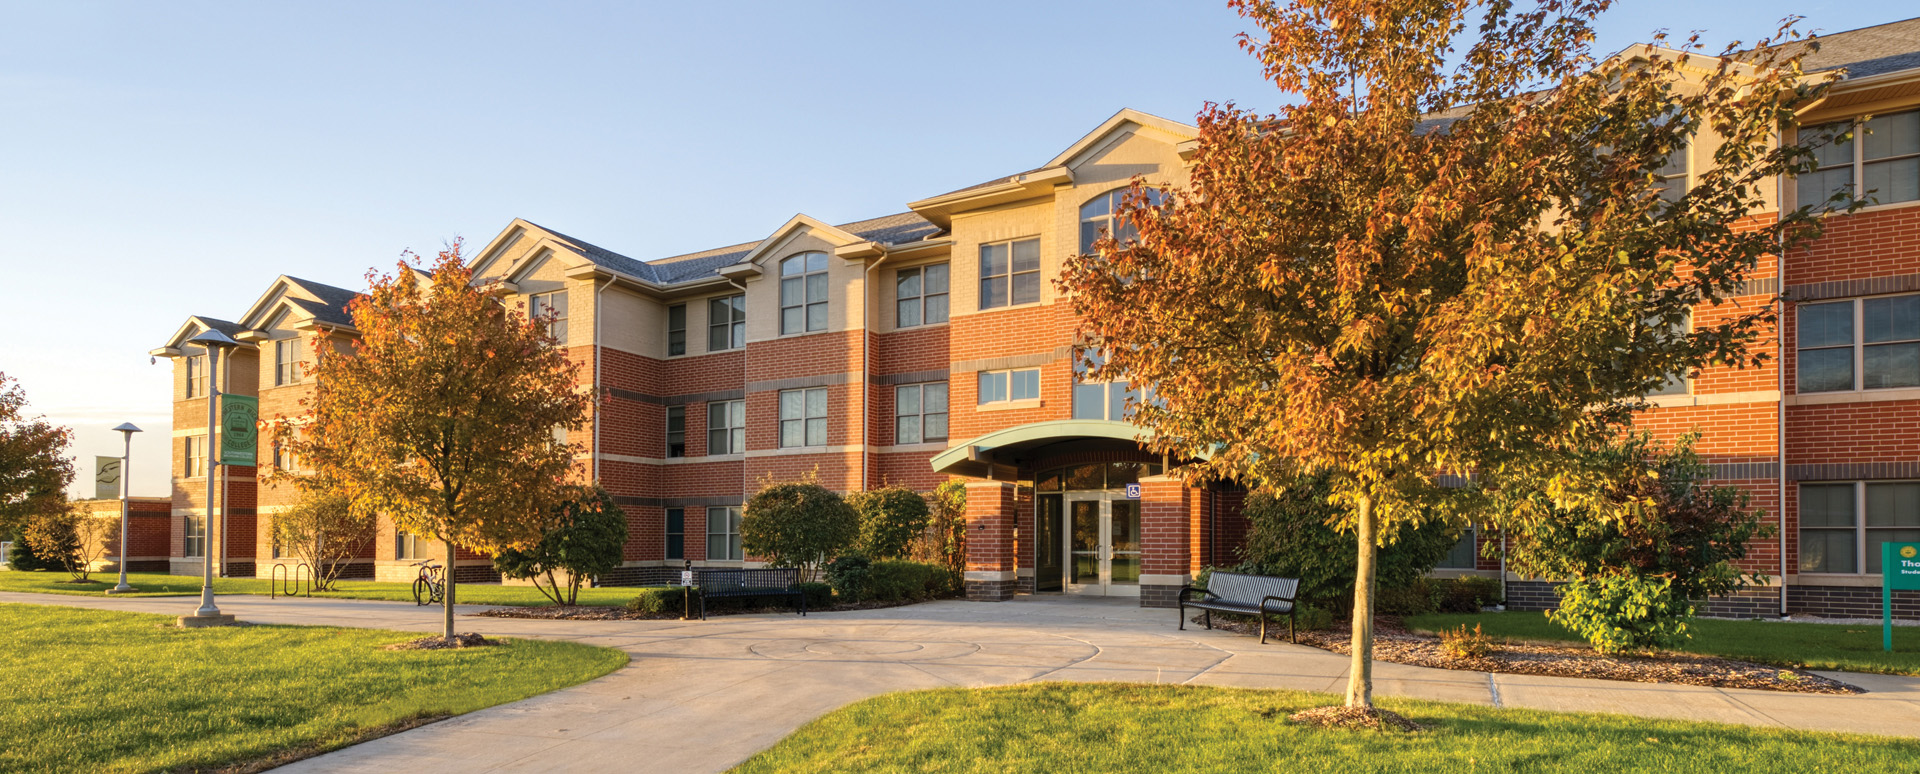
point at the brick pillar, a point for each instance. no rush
(992, 512)
(1166, 533)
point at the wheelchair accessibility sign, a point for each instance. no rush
(1133, 491)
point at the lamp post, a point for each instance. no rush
(209, 614)
(126, 430)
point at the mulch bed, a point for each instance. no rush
(437, 642)
(586, 613)
(1356, 718)
(1392, 642)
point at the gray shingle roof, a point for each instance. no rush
(224, 326)
(333, 301)
(1882, 48)
(689, 267)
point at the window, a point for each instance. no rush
(196, 377)
(920, 412)
(803, 418)
(279, 549)
(286, 361)
(1463, 553)
(921, 296)
(196, 456)
(723, 534)
(284, 458)
(1005, 386)
(1834, 539)
(1676, 383)
(676, 330)
(554, 304)
(1099, 400)
(195, 544)
(727, 427)
(405, 545)
(803, 293)
(1010, 273)
(1884, 158)
(1673, 177)
(676, 533)
(726, 323)
(676, 431)
(1097, 217)
(1859, 344)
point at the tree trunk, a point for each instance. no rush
(446, 617)
(1360, 674)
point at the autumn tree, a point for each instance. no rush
(443, 417)
(71, 538)
(1453, 257)
(588, 538)
(34, 467)
(326, 530)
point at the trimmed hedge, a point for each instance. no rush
(655, 600)
(659, 599)
(904, 581)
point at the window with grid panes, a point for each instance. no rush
(1008, 386)
(726, 323)
(920, 296)
(1882, 155)
(803, 418)
(676, 330)
(727, 427)
(920, 412)
(803, 293)
(676, 431)
(1858, 344)
(723, 534)
(1010, 273)
(543, 304)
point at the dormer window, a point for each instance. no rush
(541, 305)
(1098, 216)
(286, 361)
(803, 293)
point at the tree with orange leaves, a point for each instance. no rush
(443, 417)
(1461, 257)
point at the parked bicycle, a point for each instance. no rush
(431, 586)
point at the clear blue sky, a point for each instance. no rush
(165, 159)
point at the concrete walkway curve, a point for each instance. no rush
(702, 696)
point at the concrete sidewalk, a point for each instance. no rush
(702, 696)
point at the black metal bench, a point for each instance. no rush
(772, 582)
(1255, 595)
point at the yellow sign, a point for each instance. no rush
(1908, 552)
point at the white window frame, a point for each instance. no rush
(802, 278)
(731, 430)
(196, 379)
(1857, 162)
(1007, 280)
(811, 426)
(193, 539)
(729, 536)
(1091, 226)
(195, 456)
(406, 545)
(922, 301)
(1004, 393)
(1864, 551)
(733, 327)
(917, 419)
(556, 300)
(1857, 347)
(286, 361)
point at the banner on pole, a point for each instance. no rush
(106, 478)
(239, 429)
(1900, 570)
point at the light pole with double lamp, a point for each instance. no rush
(126, 430)
(209, 614)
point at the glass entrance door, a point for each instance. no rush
(1103, 544)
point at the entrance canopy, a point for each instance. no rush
(1001, 454)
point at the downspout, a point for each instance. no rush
(599, 365)
(1780, 384)
(869, 301)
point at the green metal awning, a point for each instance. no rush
(997, 454)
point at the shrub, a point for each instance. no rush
(1463, 644)
(1469, 594)
(848, 575)
(589, 534)
(660, 599)
(1623, 613)
(798, 524)
(945, 539)
(1309, 618)
(23, 558)
(890, 518)
(818, 595)
(70, 539)
(903, 581)
(1419, 597)
(1291, 534)
(324, 529)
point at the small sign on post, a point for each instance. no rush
(1900, 570)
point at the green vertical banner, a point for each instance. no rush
(239, 429)
(1900, 564)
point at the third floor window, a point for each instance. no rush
(1010, 273)
(727, 322)
(920, 296)
(676, 330)
(803, 293)
(196, 377)
(1880, 162)
(286, 361)
(1859, 344)
(541, 305)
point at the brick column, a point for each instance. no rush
(1167, 508)
(992, 510)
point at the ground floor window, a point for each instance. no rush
(1464, 553)
(1842, 525)
(723, 534)
(196, 539)
(405, 545)
(676, 533)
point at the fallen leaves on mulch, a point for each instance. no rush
(1392, 642)
(587, 613)
(437, 642)
(1357, 718)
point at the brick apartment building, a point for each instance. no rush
(932, 344)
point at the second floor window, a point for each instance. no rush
(1882, 156)
(920, 412)
(195, 450)
(1859, 344)
(286, 361)
(920, 296)
(1010, 273)
(727, 323)
(727, 427)
(676, 431)
(803, 418)
(676, 330)
(1099, 400)
(803, 293)
(543, 304)
(1009, 386)
(196, 377)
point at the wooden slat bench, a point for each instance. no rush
(1255, 595)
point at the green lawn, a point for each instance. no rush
(1117, 727)
(1846, 647)
(101, 691)
(156, 585)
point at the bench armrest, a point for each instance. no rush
(1186, 591)
(1265, 600)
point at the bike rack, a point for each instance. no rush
(283, 581)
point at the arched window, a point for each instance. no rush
(803, 293)
(1097, 216)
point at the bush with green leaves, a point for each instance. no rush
(945, 539)
(1291, 535)
(848, 574)
(655, 600)
(905, 581)
(71, 539)
(891, 517)
(587, 540)
(1623, 613)
(818, 595)
(22, 558)
(798, 524)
